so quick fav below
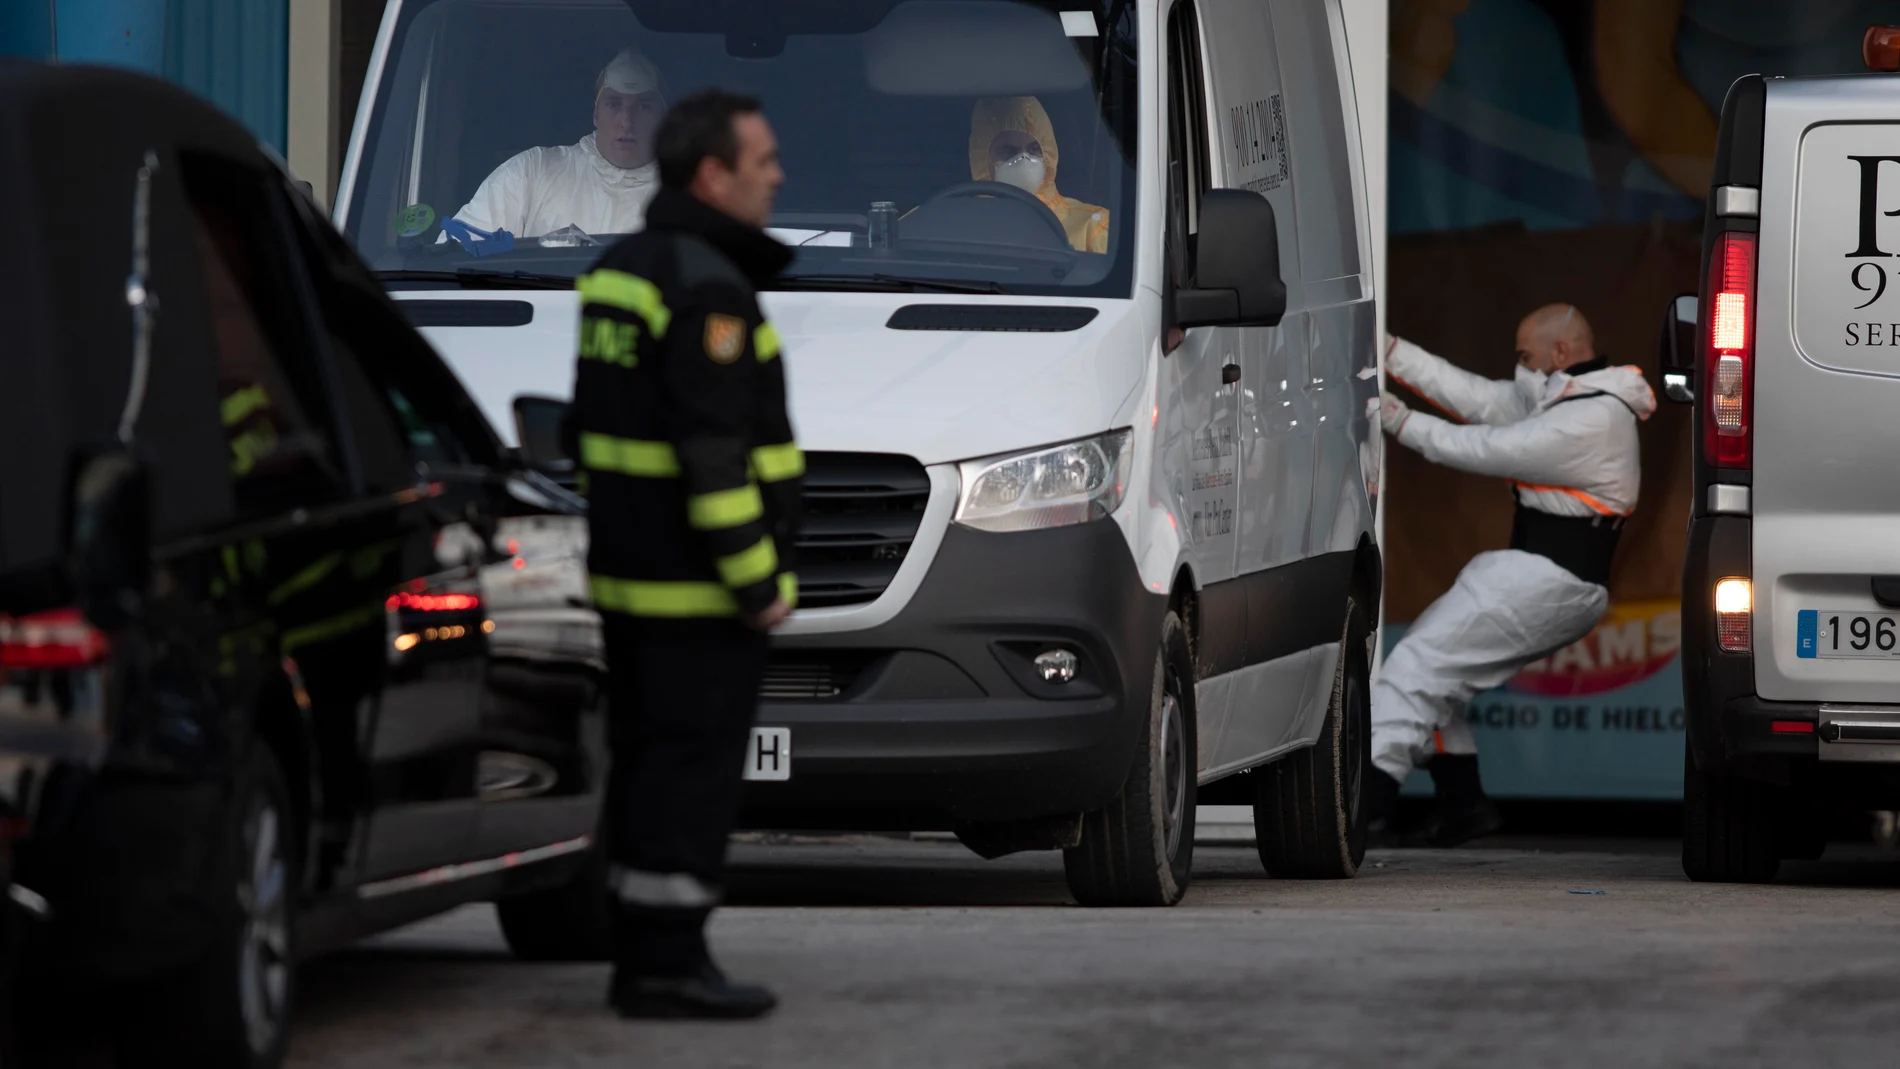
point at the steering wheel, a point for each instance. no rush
(972, 190)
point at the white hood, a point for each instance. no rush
(944, 395)
(1624, 382)
(856, 385)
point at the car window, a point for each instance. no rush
(382, 447)
(271, 402)
(406, 409)
(398, 426)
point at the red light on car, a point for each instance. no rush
(1791, 727)
(433, 602)
(1731, 349)
(1880, 48)
(60, 638)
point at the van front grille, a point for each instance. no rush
(862, 511)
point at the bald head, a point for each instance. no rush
(1555, 337)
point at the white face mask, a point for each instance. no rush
(1531, 383)
(1023, 171)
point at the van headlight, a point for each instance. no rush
(1053, 487)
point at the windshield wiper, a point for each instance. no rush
(889, 283)
(476, 278)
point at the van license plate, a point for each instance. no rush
(1842, 633)
(770, 755)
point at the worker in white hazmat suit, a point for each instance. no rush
(602, 184)
(1563, 434)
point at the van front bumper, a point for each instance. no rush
(940, 717)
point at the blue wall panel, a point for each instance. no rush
(26, 28)
(236, 53)
(121, 33)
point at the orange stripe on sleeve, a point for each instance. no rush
(1425, 397)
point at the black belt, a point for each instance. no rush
(1580, 545)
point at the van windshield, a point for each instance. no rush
(937, 144)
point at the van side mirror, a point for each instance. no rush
(1236, 269)
(1679, 339)
(538, 428)
(108, 535)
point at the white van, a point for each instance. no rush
(1091, 471)
(1791, 587)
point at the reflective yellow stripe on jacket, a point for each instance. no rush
(678, 600)
(656, 460)
(629, 456)
(725, 508)
(629, 293)
(776, 463)
(765, 342)
(754, 564)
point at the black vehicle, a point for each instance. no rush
(269, 578)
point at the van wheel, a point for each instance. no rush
(1309, 811)
(569, 922)
(231, 1010)
(1138, 850)
(1729, 826)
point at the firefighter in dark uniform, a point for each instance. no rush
(692, 477)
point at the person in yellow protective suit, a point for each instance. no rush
(1012, 140)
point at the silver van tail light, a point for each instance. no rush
(1734, 610)
(1727, 436)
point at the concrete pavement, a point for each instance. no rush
(892, 953)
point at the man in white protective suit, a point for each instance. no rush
(1563, 434)
(602, 184)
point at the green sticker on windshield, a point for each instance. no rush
(414, 221)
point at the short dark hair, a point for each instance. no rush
(699, 126)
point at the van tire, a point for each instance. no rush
(572, 921)
(1309, 812)
(231, 1009)
(1138, 850)
(1729, 826)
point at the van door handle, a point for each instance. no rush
(1229, 374)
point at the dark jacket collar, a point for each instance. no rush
(752, 250)
(1597, 364)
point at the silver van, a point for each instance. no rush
(1791, 587)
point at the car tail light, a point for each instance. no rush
(433, 602)
(1880, 48)
(1734, 605)
(1731, 372)
(60, 638)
